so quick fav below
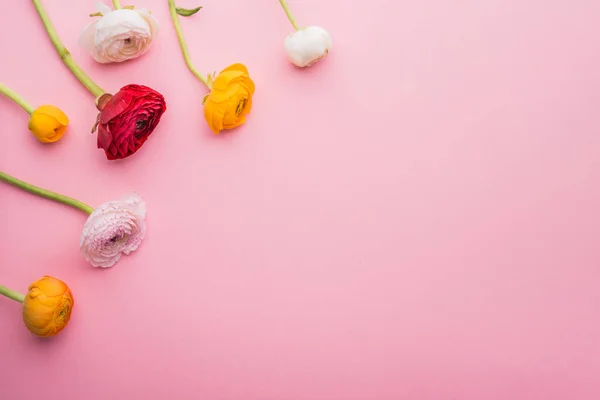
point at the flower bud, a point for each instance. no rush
(307, 45)
(48, 123)
(47, 306)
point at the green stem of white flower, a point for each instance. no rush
(11, 294)
(14, 96)
(46, 193)
(64, 54)
(116, 4)
(286, 8)
(183, 45)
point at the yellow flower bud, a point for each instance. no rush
(47, 306)
(48, 123)
(230, 99)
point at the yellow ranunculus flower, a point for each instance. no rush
(48, 124)
(230, 98)
(47, 306)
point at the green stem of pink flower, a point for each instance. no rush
(183, 45)
(289, 14)
(46, 193)
(64, 54)
(11, 294)
(14, 96)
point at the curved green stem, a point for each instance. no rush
(286, 8)
(14, 96)
(64, 54)
(11, 294)
(183, 45)
(46, 193)
(116, 4)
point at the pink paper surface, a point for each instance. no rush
(415, 217)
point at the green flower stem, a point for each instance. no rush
(11, 94)
(46, 193)
(286, 8)
(183, 45)
(64, 54)
(116, 4)
(11, 294)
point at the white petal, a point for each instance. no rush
(120, 21)
(103, 8)
(152, 22)
(86, 39)
(308, 45)
(120, 35)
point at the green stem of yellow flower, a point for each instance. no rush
(46, 193)
(116, 4)
(183, 45)
(11, 294)
(11, 94)
(286, 8)
(64, 54)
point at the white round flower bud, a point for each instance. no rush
(307, 45)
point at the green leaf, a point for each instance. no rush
(185, 12)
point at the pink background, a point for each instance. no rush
(416, 217)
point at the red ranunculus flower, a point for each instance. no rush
(127, 119)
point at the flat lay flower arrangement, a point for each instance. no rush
(124, 120)
(221, 200)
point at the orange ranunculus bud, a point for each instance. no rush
(230, 98)
(48, 123)
(47, 306)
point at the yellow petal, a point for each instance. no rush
(53, 112)
(249, 84)
(213, 116)
(225, 79)
(237, 67)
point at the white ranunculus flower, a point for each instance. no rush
(119, 35)
(115, 228)
(307, 45)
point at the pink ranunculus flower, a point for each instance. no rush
(116, 227)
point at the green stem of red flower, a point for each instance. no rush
(64, 54)
(11, 294)
(183, 45)
(46, 193)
